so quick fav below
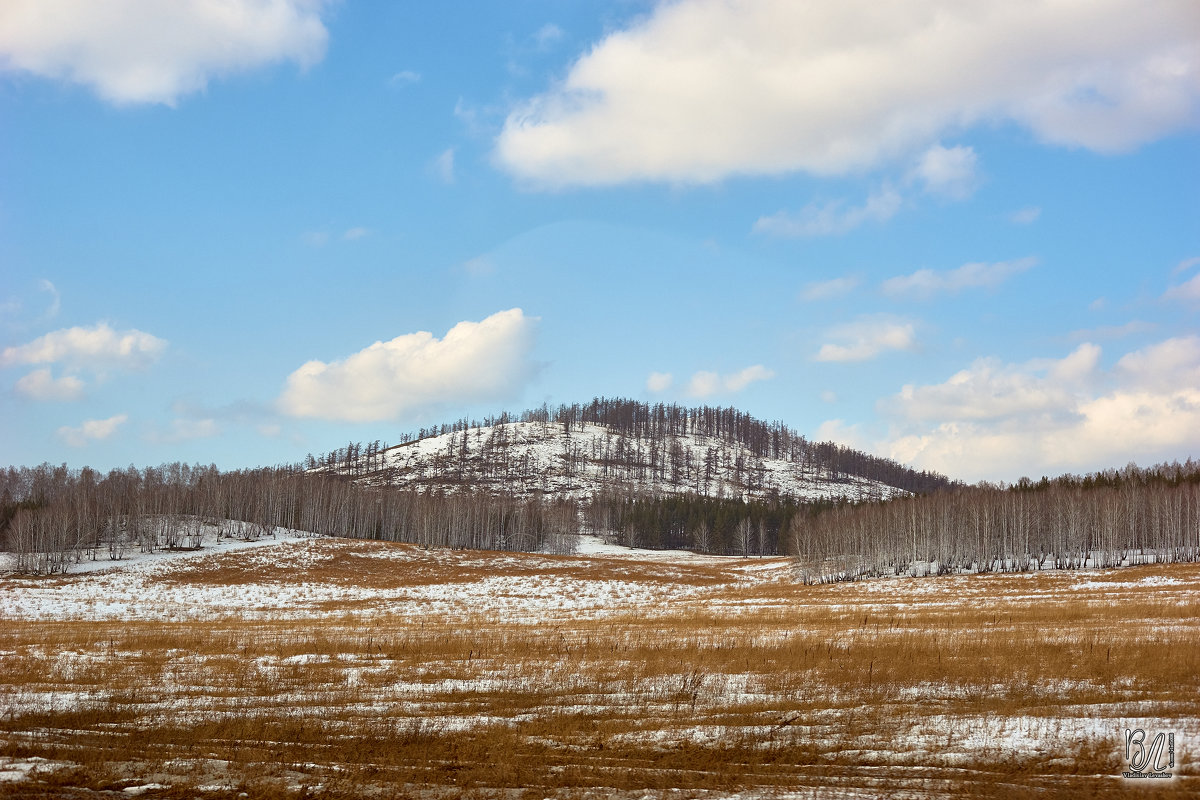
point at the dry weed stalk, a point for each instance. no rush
(728, 683)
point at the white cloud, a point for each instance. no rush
(1026, 216)
(823, 290)
(699, 90)
(990, 390)
(925, 282)
(91, 430)
(405, 78)
(1001, 421)
(149, 51)
(1185, 265)
(950, 172)
(548, 35)
(743, 378)
(836, 430)
(1163, 367)
(479, 266)
(867, 338)
(443, 165)
(315, 238)
(474, 361)
(1186, 292)
(706, 383)
(42, 385)
(659, 382)
(355, 233)
(832, 218)
(93, 347)
(55, 299)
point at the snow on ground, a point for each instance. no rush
(522, 587)
(593, 545)
(295, 576)
(13, 770)
(132, 558)
(537, 455)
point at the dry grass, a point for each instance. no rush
(737, 680)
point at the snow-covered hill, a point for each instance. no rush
(589, 458)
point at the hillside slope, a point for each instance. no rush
(625, 447)
(528, 457)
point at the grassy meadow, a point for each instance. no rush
(401, 672)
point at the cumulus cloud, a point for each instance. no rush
(699, 90)
(951, 172)
(1046, 416)
(866, 338)
(704, 383)
(42, 385)
(833, 218)
(836, 430)
(926, 282)
(474, 361)
(823, 290)
(91, 430)
(659, 382)
(148, 51)
(1163, 367)
(740, 380)
(990, 390)
(1186, 292)
(97, 346)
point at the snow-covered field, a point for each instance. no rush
(360, 667)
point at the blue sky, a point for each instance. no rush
(967, 238)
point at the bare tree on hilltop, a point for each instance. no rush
(641, 444)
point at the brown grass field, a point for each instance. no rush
(329, 668)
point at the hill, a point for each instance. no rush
(622, 446)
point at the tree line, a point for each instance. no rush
(1104, 519)
(718, 525)
(51, 517)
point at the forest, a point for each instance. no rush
(51, 517)
(727, 526)
(1106, 519)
